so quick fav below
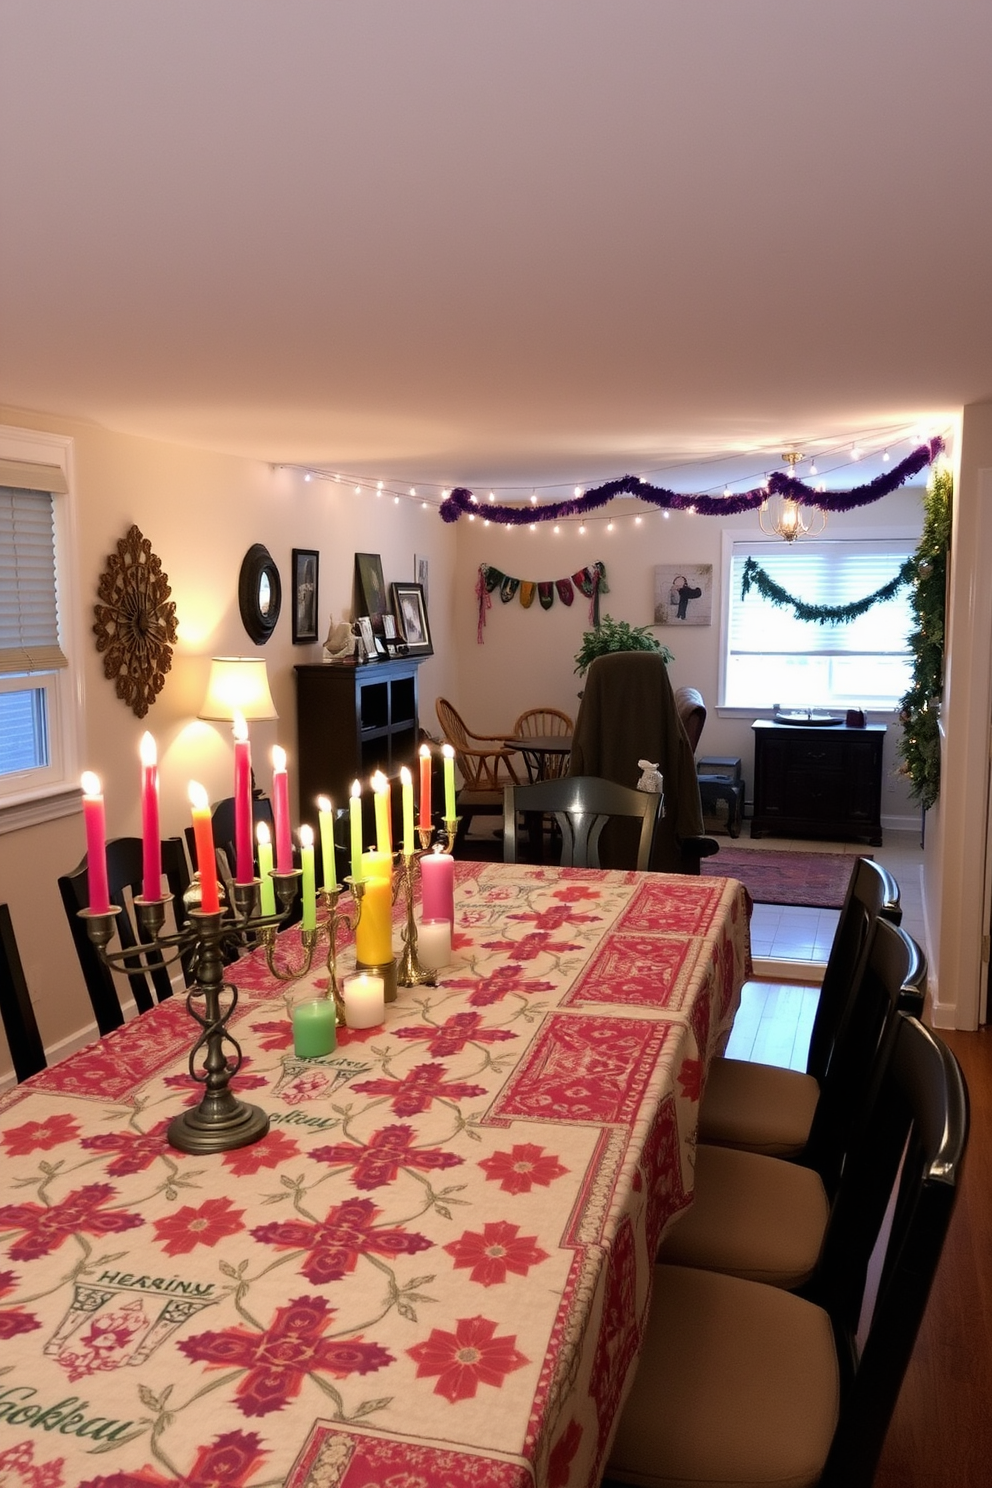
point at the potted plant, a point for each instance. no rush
(616, 635)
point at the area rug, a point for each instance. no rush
(813, 879)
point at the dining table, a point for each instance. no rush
(433, 1270)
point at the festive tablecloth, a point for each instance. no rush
(433, 1270)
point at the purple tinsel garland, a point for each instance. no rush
(779, 484)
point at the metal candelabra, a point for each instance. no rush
(333, 918)
(220, 1122)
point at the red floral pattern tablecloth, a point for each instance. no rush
(432, 1271)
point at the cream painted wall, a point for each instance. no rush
(527, 656)
(201, 512)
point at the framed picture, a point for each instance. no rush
(411, 618)
(370, 590)
(306, 563)
(368, 637)
(683, 594)
(389, 626)
(420, 574)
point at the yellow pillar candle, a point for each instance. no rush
(267, 891)
(374, 935)
(309, 879)
(449, 782)
(356, 830)
(383, 827)
(327, 842)
(406, 781)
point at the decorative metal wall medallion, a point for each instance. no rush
(135, 622)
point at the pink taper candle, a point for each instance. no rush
(151, 836)
(280, 811)
(95, 823)
(203, 836)
(244, 870)
(424, 819)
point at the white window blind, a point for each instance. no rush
(772, 657)
(29, 620)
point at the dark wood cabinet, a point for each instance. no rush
(352, 721)
(818, 781)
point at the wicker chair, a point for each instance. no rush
(544, 723)
(486, 765)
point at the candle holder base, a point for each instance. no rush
(386, 970)
(218, 1126)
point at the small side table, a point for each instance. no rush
(720, 780)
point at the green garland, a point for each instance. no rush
(920, 744)
(755, 576)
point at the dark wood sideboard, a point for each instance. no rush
(818, 781)
(352, 721)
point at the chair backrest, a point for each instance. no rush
(581, 805)
(692, 711)
(543, 722)
(628, 713)
(485, 763)
(27, 1052)
(861, 1047)
(863, 903)
(884, 1239)
(149, 979)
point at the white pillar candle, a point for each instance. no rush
(364, 1001)
(434, 943)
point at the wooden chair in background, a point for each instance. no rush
(581, 806)
(27, 1052)
(150, 980)
(486, 764)
(545, 723)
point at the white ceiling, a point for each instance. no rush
(497, 242)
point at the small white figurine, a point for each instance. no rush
(651, 779)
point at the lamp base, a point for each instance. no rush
(231, 1124)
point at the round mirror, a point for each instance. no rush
(259, 593)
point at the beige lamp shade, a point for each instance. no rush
(237, 684)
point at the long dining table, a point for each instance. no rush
(433, 1271)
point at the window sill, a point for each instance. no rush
(47, 806)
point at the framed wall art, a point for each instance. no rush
(306, 565)
(410, 610)
(367, 636)
(683, 594)
(370, 590)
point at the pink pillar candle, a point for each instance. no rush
(244, 870)
(438, 886)
(203, 837)
(424, 819)
(280, 811)
(151, 836)
(94, 820)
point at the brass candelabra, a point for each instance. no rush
(329, 898)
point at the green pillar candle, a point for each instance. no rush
(313, 1028)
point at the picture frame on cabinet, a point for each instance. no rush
(370, 588)
(306, 564)
(410, 610)
(367, 635)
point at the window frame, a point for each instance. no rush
(38, 795)
(899, 533)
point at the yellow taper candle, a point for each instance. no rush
(406, 781)
(449, 782)
(383, 829)
(309, 884)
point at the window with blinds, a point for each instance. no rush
(772, 658)
(37, 723)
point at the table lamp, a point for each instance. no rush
(237, 684)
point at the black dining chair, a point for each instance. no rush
(27, 1052)
(581, 805)
(764, 1108)
(149, 978)
(765, 1218)
(743, 1383)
